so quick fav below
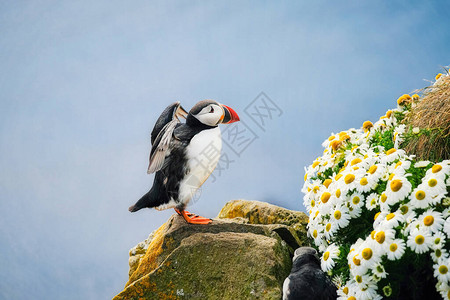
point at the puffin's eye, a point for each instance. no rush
(212, 110)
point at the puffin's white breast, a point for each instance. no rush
(202, 154)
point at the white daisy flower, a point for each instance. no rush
(383, 238)
(444, 289)
(340, 216)
(420, 197)
(390, 220)
(369, 292)
(398, 189)
(441, 270)
(431, 220)
(392, 154)
(379, 270)
(438, 239)
(327, 261)
(354, 212)
(419, 241)
(396, 249)
(356, 200)
(330, 230)
(349, 180)
(375, 172)
(438, 254)
(439, 170)
(434, 185)
(369, 254)
(407, 212)
(372, 201)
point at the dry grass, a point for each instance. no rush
(432, 116)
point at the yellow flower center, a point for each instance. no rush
(315, 189)
(337, 215)
(315, 164)
(390, 151)
(327, 182)
(390, 216)
(356, 200)
(372, 169)
(380, 237)
(436, 168)
(355, 161)
(398, 165)
(306, 177)
(326, 255)
(438, 253)
(383, 197)
(358, 278)
(391, 176)
(356, 261)
(328, 227)
(315, 215)
(404, 209)
(388, 113)
(428, 220)
(419, 239)
(335, 144)
(443, 270)
(351, 298)
(313, 203)
(396, 185)
(432, 182)
(315, 233)
(420, 195)
(349, 178)
(331, 138)
(393, 247)
(325, 197)
(345, 290)
(367, 253)
(438, 76)
(404, 99)
(338, 193)
(363, 181)
(338, 176)
(372, 234)
(376, 215)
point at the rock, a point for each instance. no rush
(227, 259)
(256, 212)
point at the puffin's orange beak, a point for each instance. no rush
(229, 116)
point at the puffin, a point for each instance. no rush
(183, 155)
(307, 280)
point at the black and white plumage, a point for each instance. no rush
(307, 280)
(181, 155)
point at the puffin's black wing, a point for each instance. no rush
(162, 135)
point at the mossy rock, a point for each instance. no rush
(227, 259)
(257, 212)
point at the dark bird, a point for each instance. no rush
(183, 155)
(307, 281)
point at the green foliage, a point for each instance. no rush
(384, 138)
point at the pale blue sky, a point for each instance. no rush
(83, 82)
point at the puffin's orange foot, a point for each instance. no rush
(193, 219)
(199, 220)
(187, 213)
